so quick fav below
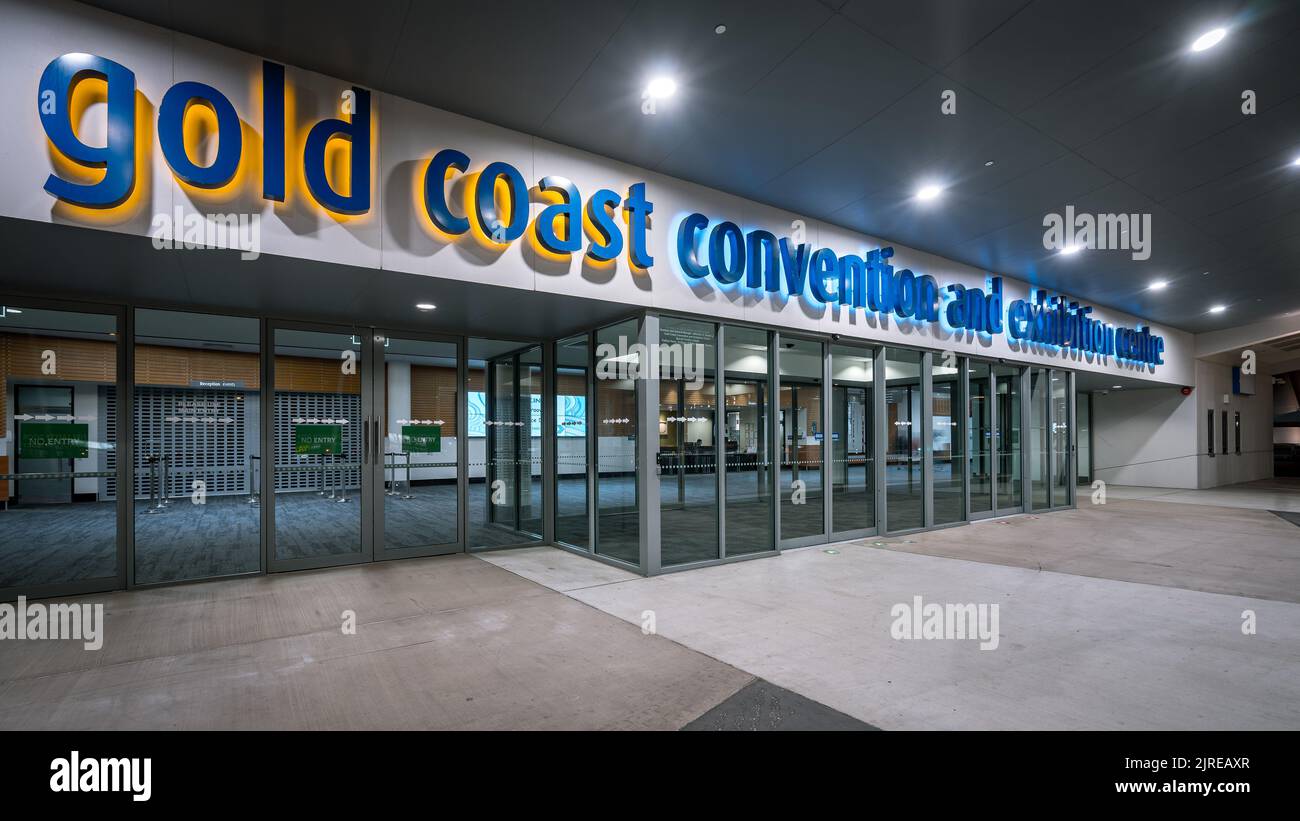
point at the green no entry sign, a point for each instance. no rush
(53, 440)
(422, 438)
(317, 439)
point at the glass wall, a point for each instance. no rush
(1008, 437)
(904, 461)
(317, 431)
(618, 361)
(1061, 470)
(746, 441)
(801, 436)
(947, 444)
(58, 448)
(853, 465)
(1039, 440)
(687, 455)
(979, 425)
(572, 357)
(198, 454)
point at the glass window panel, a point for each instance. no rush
(420, 398)
(904, 462)
(980, 437)
(504, 389)
(801, 437)
(571, 371)
(1060, 439)
(853, 472)
(618, 360)
(1038, 438)
(1083, 437)
(318, 444)
(687, 436)
(59, 431)
(947, 456)
(746, 440)
(197, 437)
(1008, 438)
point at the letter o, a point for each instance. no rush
(171, 134)
(727, 233)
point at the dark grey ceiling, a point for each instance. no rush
(832, 109)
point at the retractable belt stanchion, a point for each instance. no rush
(407, 494)
(390, 469)
(340, 479)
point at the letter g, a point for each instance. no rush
(117, 157)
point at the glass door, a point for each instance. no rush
(1007, 438)
(979, 423)
(993, 422)
(416, 387)
(322, 441)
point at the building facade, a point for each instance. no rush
(257, 319)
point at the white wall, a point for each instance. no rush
(395, 235)
(1145, 437)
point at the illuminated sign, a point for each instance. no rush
(496, 210)
(758, 261)
(117, 157)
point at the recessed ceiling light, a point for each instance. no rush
(1218, 309)
(1296, 161)
(720, 29)
(1157, 285)
(1070, 250)
(661, 88)
(425, 306)
(987, 164)
(1117, 387)
(1209, 39)
(929, 192)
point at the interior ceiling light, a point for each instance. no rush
(1157, 285)
(720, 29)
(1070, 250)
(425, 306)
(1209, 39)
(1218, 309)
(661, 88)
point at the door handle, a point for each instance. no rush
(365, 442)
(379, 454)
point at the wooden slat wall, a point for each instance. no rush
(156, 365)
(433, 395)
(309, 375)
